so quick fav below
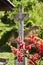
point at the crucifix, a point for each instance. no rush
(20, 18)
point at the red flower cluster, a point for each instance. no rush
(14, 50)
(27, 47)
(35, 57)
(38, 43)
(17, 53)
(30, 38)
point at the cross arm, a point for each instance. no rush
(25, 15)
(15, 16)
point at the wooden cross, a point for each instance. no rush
(20, 18)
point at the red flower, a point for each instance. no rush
(35, 57)
(35, 40)
(20, 58)
(40, 48)
(28, 47)
(30, 62)
(18, 39)
(22, 51)
(38, 45)
(41, 52)
(18, 53)
(24, 44)
(14, 50)
(30, 38)
(21, 46)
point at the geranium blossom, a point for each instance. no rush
(23, 47)
(28, 47)
(30, 62)
(35, 56)
(18, 39)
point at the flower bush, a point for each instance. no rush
(25, 48)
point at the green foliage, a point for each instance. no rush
(8, 55)
(40, 33)
(32, 7)
(6, 35)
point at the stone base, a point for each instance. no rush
(4, 61)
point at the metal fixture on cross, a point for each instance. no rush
(20, 18)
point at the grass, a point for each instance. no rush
(8, 55)
(11, 58)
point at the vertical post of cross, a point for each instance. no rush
(21, 24)
(21, 28)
